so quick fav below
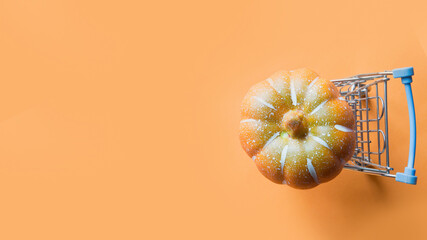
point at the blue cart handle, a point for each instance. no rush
(406, 76)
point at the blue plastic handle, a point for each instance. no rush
(406, 76)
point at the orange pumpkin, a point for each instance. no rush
(297, 129)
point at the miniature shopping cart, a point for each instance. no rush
(367, 95)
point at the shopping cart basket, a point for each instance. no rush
(367, 95)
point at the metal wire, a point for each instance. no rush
(363, 94)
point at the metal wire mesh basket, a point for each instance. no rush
(367, 96)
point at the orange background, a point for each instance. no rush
(119, 120)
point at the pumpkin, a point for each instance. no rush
(297, 128)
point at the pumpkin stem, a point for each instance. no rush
(295, 124)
